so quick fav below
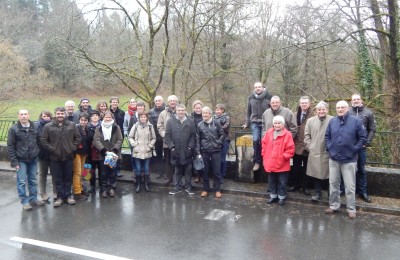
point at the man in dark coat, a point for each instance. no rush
(367, 117)
(179, 137)
(61, 138)
(23, 150)
(257, 103)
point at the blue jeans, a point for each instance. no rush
(142, 165)
(224, 152)
(277, 182)
(256, 130)
(361, 176)
(27, 172)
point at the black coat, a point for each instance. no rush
(180, 139)
(209, 137)
(22, 144)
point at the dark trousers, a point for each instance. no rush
(318, 185)
(108, 178)
(180, 171)
(213, 161)
(62, 172)
(298, 177)
(256, 130)
(168, 166)
(99, 166)
(224, 152)
(277, 182)
(361, 176)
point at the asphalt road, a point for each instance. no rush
(156, 225)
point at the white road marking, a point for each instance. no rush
(218, 214)
(67, 249)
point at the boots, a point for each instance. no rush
(137, 190)
(146, 183)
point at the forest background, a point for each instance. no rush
(208, 50)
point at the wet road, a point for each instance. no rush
(158, 226)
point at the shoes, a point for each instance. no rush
(365, 198)
(292, 189)
(112, 193)
(85, 193)
(282, 202)
(256, 167)
(218, 194)
(189, 191)
(27, 207)
(80, 196)
(104, 194)
(71, 201)
(330, 211)
(306, 192)
(204, 194)
(45, 197)
(352, 215)
(37, 203)
(146, 183)
(174, 191)
(58, 203)
(272, 200)
(316, 197)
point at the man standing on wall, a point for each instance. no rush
(257, 103)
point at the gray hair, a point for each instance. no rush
(180, 106)
(69, 103)
(276, 98)
(173, 97)
(342, 103)
(207, 109)
(305, 98)
(279, 119)
(322, 104)
(158, 97)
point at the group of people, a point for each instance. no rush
(66, 143)
(321, 147)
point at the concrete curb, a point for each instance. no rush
(255, 194)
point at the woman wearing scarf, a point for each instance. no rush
(108, 138)
(142, 139)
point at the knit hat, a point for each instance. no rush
(94, 112)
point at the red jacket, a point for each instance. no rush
(277, 153)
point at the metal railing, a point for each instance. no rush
(384, 150)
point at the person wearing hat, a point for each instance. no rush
(84, 107)
(277, 147)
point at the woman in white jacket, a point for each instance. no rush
(142, 139)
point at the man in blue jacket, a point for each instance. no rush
(345, 137)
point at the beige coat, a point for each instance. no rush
(314, 139)
(142, 139)
(162, 124)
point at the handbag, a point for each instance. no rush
(198, 163)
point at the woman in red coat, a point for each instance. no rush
(277, 149)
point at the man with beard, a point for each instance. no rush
(61, 138)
